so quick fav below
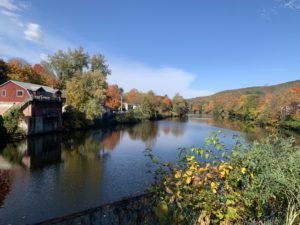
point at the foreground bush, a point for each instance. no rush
(214, 185)
(12, 121)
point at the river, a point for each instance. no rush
(54, 175)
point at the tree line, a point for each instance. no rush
(273, 105)
(83, 80)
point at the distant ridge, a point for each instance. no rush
(250, 90)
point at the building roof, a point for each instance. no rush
(32, 87)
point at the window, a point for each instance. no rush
(3, 93)
(19, 93)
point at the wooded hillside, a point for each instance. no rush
(279, 104)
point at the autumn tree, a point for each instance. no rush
(86, 93)
(268, 109)
(180, 105)
(196, 108)
(166, 104)
(248, 104)
(3, 71)
(47, 78)
(288, 101)
(21, 71)
(134, 97)
(113, 97)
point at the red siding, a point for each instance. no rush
(11, 93)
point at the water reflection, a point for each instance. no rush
(112, 140)
(5, 184)
(54, 175)
(249, 131)
(146, 132)
(34, 152)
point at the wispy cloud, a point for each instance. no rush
(9, 5)
(279, 5)
(292, 4)
(33, 32)
(164, 80)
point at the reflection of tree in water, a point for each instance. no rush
(11, 153)
(177, 130)
(88, 148)
(112, 140)
(5, 185)
(89, 144)
(35, 151)
(84, 156)
(250, 131)
(178, 127)
(146, 131)
(166, 129)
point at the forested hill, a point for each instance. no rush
(265, 105)
(249, 90)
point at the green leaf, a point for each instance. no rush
(231, 213)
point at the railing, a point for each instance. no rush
(46, 98)
(132, 211)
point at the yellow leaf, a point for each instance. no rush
(243, 170)
(222, 174)
(202, 170)
(214, 187)
(178, 174)
(189, 173)
(190, 158)
(188, 180)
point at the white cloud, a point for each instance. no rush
(292, 4)
(9, 5)
(33, 32)
(22, 39)
(165, 80)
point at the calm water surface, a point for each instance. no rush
(54, 175)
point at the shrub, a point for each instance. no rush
(212, 185)
(11, 122)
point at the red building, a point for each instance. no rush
(41, 105)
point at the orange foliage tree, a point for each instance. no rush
(46, 77)
(134, 96)
(167, 103)
(113, 97)
(20, 71)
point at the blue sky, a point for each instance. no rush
(194, 47)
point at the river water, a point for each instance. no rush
(54, 175)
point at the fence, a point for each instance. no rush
(132, 211)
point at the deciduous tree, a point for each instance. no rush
(180, 105)
(98, 62)
(86, 93)
(113, 97)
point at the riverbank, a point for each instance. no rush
(87, 168)
(288, 124)
(10, 125)
(73, 121)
